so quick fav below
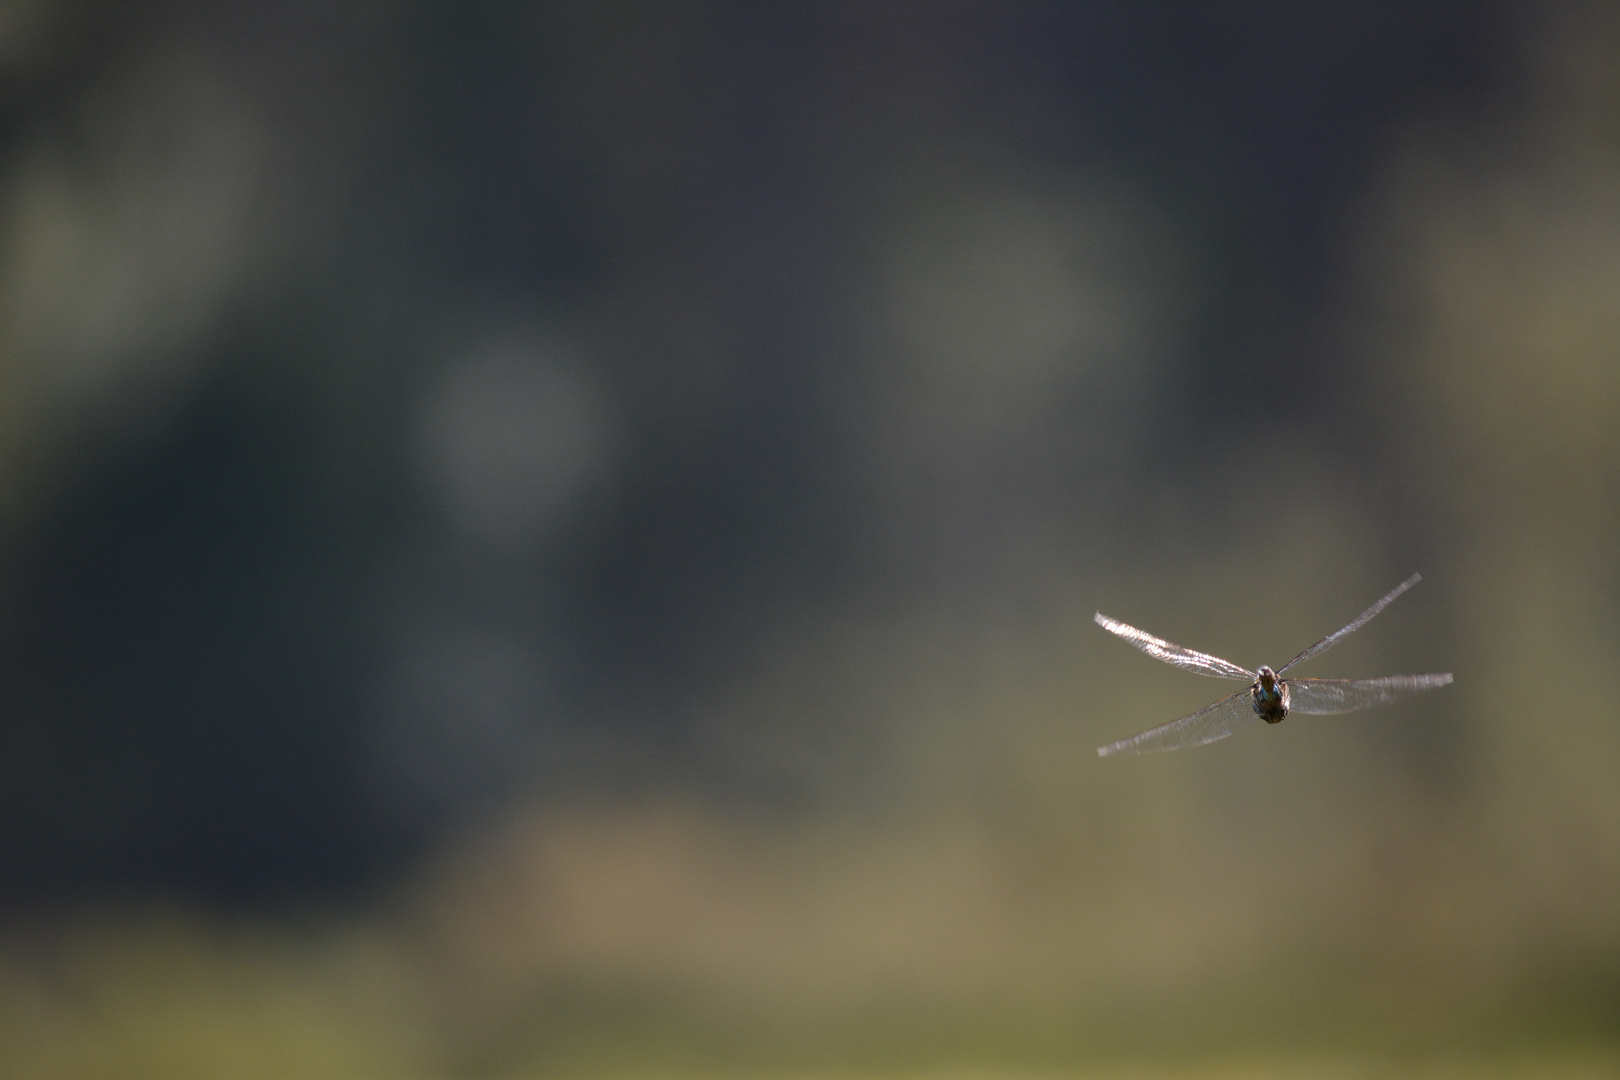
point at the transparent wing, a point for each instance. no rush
(1320, 697)
(1217, 720)
(1360, 620)
(1182, 657)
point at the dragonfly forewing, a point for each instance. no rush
(1355, 624)
(1322, 697)
(1179, 655)
(1217, 720)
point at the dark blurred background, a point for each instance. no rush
(547, 539)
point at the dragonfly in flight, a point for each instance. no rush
(1269, 696)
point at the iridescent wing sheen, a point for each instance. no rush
(1321, 697)
(1214, 721)
(1179, 655)
(1360, 620)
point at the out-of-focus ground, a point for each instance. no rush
(561, 540)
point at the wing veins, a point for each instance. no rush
(1178, 655)
(1355, 624)
(1216, 720)
(1325, 697)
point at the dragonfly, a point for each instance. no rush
(1269, 696)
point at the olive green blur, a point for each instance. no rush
(546, 540)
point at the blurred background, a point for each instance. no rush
(560, 540)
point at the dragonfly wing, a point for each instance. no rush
(1320, 697)
(1214, 721)
(1179, 655)
(1360, 620)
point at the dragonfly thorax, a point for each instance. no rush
(1270, 696)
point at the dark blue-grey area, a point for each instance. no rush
(199, 616)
